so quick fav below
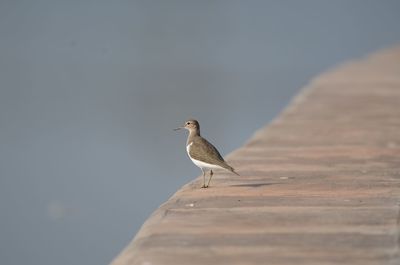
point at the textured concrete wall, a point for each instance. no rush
(319, 185)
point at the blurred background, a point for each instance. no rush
(91, 90)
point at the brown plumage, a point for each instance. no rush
(203, 150)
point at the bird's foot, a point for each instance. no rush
(204, 186)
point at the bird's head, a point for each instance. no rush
(190, 125)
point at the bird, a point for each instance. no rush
(202, 153)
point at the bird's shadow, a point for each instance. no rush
(255, 185)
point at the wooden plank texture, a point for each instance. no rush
(319, 185)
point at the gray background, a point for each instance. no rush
(91, 90)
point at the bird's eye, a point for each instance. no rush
(187, 123)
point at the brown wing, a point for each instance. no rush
(204, 151)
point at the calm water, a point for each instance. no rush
(91, 90)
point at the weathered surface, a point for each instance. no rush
(320, 185)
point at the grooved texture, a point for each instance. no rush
(319, 185)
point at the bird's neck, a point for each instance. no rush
(192, 135)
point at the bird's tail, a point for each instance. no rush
(231, 169)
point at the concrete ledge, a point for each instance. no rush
(319, 185)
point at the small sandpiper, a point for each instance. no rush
(202, 153)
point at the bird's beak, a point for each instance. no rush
(177, 129)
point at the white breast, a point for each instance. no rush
(188, 148)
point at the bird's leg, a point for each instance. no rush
(204, 179)
(209, 180)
